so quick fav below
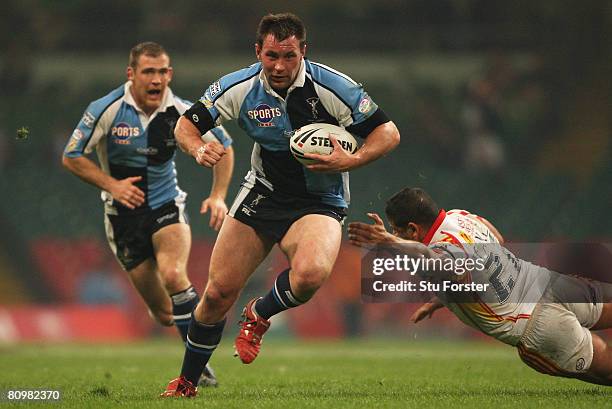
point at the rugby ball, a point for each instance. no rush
(314, 138)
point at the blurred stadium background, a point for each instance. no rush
(503, 107)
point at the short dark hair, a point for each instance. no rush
(411, 205)
(281, 26)
(148, 48)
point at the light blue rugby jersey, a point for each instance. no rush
(128, 143)
(319, 95)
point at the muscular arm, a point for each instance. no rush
(189, 139)
(383, 139)
(122, 190)
(222, 174)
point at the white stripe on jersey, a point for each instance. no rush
(181, 105)
(228, 105)
(257, 167)
(346, 77)
(103, 126)
(334, 105)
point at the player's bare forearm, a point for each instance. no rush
(189, 140)
(124, 191)
(426, 310)
(187, 136)
(222, 174)
(417, 249)
(382, 140)
(89, 172)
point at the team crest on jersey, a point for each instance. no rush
(88, 119)
(264, 114)
(313, 107)
(75, 138)
(122, 133)
(365, 105)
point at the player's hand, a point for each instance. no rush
(208, 154)
(218, 210)
(365, 235)
(125, 192)
(424, 311)
(337, 161)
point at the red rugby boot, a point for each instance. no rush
(180, 388)
(252, 329)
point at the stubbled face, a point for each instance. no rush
(150, 79)
(281, 60)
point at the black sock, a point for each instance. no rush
(202, 340)
(280, 298)
(183, 304)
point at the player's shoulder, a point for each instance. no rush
(181, 104)
(328, 76)
(232, 79)
(97, 107)
(458, 213)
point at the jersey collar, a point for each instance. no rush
(300, 80)
(434, 227)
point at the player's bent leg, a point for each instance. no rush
(605, 319)
(148, 283)
(237, 252)
(600, 370)
(172, 244)
(554, 343)
(312, 245)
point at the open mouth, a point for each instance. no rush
(154, 92)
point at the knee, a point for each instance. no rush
(219, 298)
(174, 279)
(308, 276)
(165, 318)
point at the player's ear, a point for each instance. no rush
(258, 51)
(170, 73)
(413, 231)
(303, 50)
(129, 72)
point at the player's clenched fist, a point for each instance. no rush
(125, 192)
(208, 154)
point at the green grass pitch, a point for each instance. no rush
(292, 374)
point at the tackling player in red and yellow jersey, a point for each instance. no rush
(547, 316)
